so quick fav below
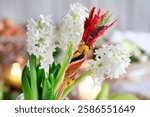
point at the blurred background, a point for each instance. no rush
(132, 31)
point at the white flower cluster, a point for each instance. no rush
(111, 60)
(42, 34)
(40, 40)
(72, 26)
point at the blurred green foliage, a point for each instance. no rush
(104, 94)
(1, 90)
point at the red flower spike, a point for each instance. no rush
(91, 24)
(94, 27)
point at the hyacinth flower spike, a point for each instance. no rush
(95, 26)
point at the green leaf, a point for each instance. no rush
(40, 75)
(103, 95)
(53, 66)
(52, 84)
(77, 81)
(43, 80)
(64, 66)
(45, 89)
(33, 76)
(26, 83)
(56, 70)
(52, 80)
(58, 66)
(53, 71)
(121, 96)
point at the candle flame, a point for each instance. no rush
(16, 70)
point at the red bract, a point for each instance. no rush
(100, 33)
(90, 24)
(92, 27)
(87, 21)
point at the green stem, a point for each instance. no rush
(33, 76)
(64, 66)
(77, 81)
(103, 94)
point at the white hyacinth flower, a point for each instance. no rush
(97, 72)
(40, 40)
(72, 26)
(111, 60)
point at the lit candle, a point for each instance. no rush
(87, 90)
(15, 75)
(15, 70)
